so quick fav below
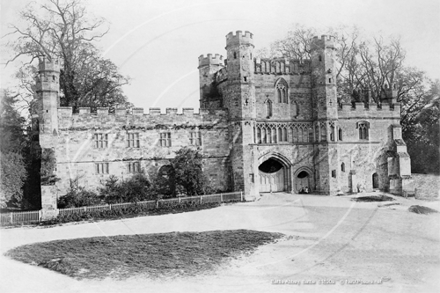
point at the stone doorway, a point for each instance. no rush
(375, 180)
(273, 176)
(303, 182)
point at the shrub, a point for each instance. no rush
(134, 189)
(78, 196)
(132, 211)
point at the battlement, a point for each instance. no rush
(105, 111)
(281, 66)
(103, 119)
(371, 110)
(325, 41)
(46, 64)
(217, 59)
(239, 38)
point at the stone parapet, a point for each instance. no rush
(371, 110)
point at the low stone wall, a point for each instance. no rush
(427, 186)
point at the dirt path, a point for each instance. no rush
(329, 240)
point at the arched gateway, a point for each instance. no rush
(274, 174)
(303, 180)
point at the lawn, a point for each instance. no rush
(175, 254)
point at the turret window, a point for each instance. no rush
(323, 133)
(332, 133)
(363, 128)
(268, 108)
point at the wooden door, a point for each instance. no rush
(272, 182)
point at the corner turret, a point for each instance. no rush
(48, 84)
(239, 39)
(324, 76)
(209, 94)
(325, 42)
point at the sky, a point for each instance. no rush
(157, 43)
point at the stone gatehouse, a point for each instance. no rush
(264, 125)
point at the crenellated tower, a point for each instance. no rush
(325, 112)
(239, 98)
(324, 77)
(48, 85)
(209, 94)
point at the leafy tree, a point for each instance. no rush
(12, 144)
(11, 124)
(163, 182)
(188, 170)
(63, 30)
(422, 130)
(13, 174)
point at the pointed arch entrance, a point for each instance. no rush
(274, 173)
(303, 180)
(375, 180)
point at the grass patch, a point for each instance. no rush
(173, 254)
(372, 198)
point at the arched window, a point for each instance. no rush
(268, 108)
(300, 134)
(281, 88)
(311, 134)
(323, 133)
(317, 132)
(258, 135)
(340, 134)
(363, 127)
(280, 134)
(332, 133)
(343, 167)
(294, 134)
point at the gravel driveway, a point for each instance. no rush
(332, 244)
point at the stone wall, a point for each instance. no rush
(299, 99)
(77, 154)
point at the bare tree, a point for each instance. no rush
(63, 30)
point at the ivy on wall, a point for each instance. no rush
(48, 165)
